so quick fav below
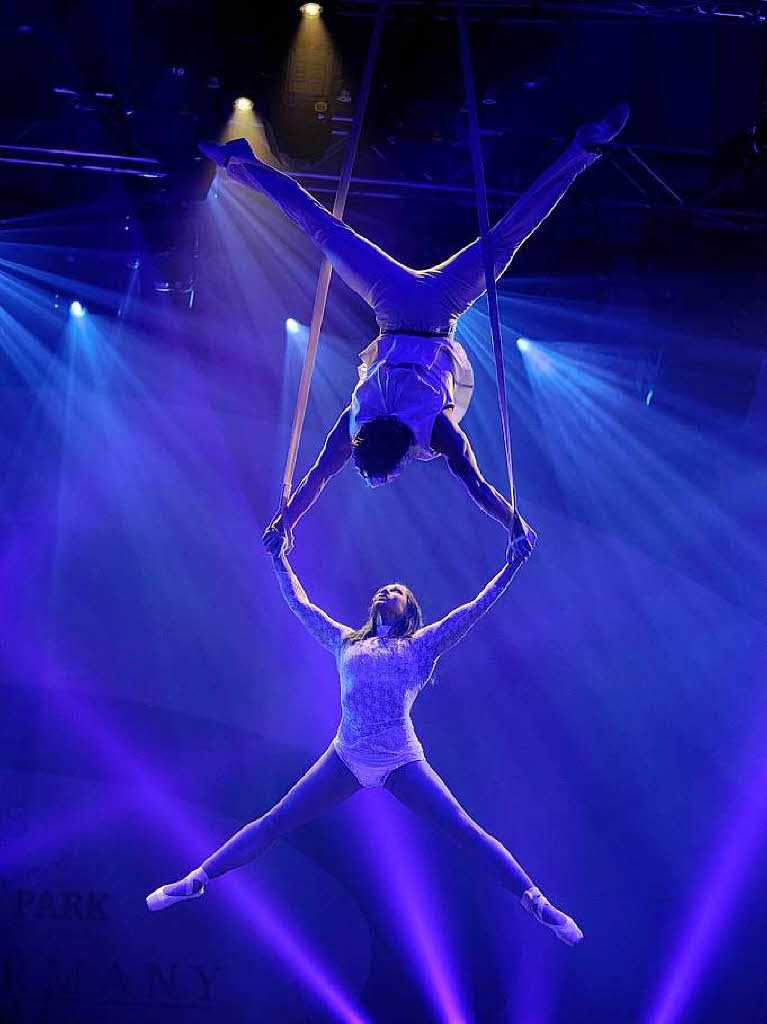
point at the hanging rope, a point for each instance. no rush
(487, 242)
(326, 270)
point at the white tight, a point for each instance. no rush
(419, 300)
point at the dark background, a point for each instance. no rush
(606, 721)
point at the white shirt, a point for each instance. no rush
(439, 377)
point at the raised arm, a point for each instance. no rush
(440, 636)
(324, 629)
(335, 453)
(449, 440)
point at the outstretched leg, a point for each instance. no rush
(461, 278)
(327, 783)
(366, 268)
(420, 788)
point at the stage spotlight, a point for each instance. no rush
(292, 326)
(77, 309)
(310, 10)
(243, 103)
(524, 345)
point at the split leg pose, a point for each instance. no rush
(416, 380)
(383, 666)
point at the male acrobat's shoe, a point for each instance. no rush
(221, 154)
(596, 134)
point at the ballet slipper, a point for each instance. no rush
(535, 902)
(161, 900)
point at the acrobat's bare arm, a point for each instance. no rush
(448, 439)
(335, 453)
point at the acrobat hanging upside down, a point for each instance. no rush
(416, 380)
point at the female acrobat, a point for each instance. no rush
(383, 666)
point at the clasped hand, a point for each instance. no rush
(278, 537)
(522, 540)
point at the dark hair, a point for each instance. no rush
(380, 445)
(406, 625)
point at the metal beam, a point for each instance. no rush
(752, 12)
(730, 218)
(726, 217)
(82, 160)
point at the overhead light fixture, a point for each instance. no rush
(243, 103)
(310, 10)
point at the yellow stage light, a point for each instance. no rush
(310, 10)
(243, 103)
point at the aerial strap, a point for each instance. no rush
(475, 145)
(326, 270)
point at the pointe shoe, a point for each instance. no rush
(598, 133)
(161, 900)
(221, 154)
(534, 902)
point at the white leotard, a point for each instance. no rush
(381, 676)
(413, 378)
